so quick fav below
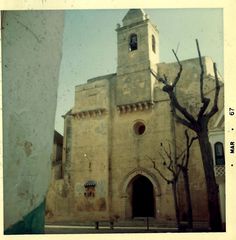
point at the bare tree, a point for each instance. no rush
(176, 165)
(172, 167)
(184, 169)
(199, 125)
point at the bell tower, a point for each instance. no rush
(138, 51)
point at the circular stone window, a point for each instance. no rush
(139, 128)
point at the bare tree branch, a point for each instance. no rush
(182, 120)
(192, 140)
(179, 167)
(169, 89)
(176, 104)
(180, 70)
(163, 158)
(188, 146)
(164, 81)
(202, 72)
(170, 166)
(214, 108)
(205, 104)
(205, 101)
(167, 154)
(179, 156)
(158, 170)
(178, 147)
(171, 169)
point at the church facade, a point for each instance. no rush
(120, 125)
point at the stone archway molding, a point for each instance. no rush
(140, 171)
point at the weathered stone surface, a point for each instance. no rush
(115, 148)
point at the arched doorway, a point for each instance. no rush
(142, 197)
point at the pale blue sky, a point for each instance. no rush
(89, 46)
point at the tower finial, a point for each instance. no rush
(133, 16)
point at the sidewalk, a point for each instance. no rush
(132, 226)
(56, 229)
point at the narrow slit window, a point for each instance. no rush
(153, 44)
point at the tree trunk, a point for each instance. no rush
(212, 188)
(188, 196)
(177, 215)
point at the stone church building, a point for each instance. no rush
(120, 124)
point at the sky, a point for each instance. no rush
(90, 44)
